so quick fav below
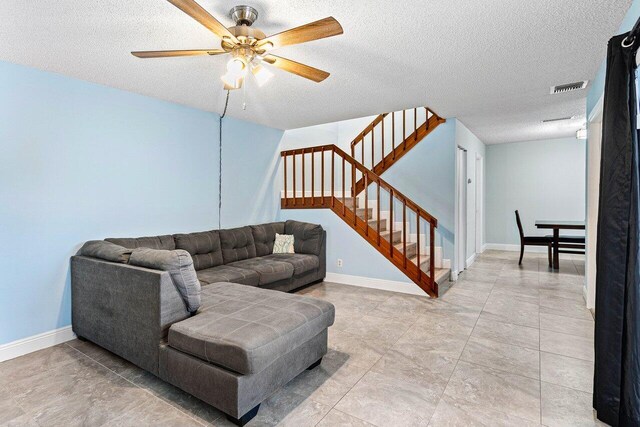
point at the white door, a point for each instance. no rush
(461, 229)
(479, 202)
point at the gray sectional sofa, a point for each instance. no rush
(244, 341)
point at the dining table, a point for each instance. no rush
(556, 226)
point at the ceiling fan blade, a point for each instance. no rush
(171, 53)
(326, 27)
(197, 12)
(297, 68)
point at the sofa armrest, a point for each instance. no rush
(307, 237)
(123, 308)
(322, 267)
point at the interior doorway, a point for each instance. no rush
(461, 218)
(479, 204)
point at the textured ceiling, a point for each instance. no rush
(489, 63)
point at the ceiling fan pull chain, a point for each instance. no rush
(244, 96)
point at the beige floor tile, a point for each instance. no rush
(567, 325)
(495, 390)
(567, 407)
(458, 413)
(503, 357)
(466, 298)
(566, 345)
(284, 408)
(353, 349)
(9, 409)
(327, 383)
(487, 264)
(404, 307)
(386, 401)
(473, 286)
(36, 362)
(461, 322)
(90, 403)
(379, 329)
(507, 333)
(21, 421)
(417, 365)
(566, 371)
(565, 307)
(336, 418)
(154, 413)
(479, 276)
(511, 310)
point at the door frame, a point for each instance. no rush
(461, 211)
(479, 203)
(594, 144)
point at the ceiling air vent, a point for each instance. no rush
(569, 87)
(559, 119)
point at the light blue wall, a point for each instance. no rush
(427, 176)
(597, 85)
(80, 161)
(358, 256)
(542, 179)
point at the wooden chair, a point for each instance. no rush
(533, 241)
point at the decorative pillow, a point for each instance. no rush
(105, 250)
(179, 265)
(283, 244)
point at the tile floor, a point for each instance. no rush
(504, 346)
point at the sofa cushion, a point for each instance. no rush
(301, 262)
(204, 248)
(237, 244)
(268, 270)
(152, 242)
(307, 237)
(264, 236)
(225, 273)
(105, 250)
(283, 244)
(247, 329)
(179, 265)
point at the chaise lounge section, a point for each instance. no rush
(245, 340)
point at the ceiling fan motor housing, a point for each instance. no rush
(243, 15)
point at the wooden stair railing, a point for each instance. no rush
(369, 146)
(333, 174)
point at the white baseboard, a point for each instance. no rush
(34, 343)
(484, 247)
(470, 260)
(515, 248)
(370, 282)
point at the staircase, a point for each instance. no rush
(390, 136)
(327, 177)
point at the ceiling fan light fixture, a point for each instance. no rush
(232, 81)
(261, 74)
(247, 44)
(236, 67)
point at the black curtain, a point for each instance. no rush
(616, 389)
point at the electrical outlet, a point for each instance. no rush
(339, 262)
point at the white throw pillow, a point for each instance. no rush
(283, 244)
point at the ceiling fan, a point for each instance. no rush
(249, 47)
